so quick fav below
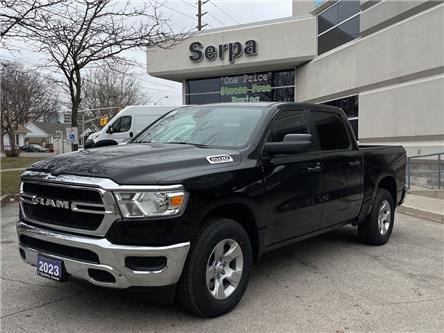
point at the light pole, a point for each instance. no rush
(88, 110)
(157, 102)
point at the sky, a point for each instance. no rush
(220, 13)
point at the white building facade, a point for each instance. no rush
(381, 61)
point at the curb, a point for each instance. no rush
(420, 213)
(3, 198)
(7, 198)
(13, 169)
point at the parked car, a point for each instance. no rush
(32, 148)
(193, 200)
(50, 148)
(126, 124)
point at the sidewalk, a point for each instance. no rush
(424, 206)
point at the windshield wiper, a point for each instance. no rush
(199, 145)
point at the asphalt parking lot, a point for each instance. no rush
(331, 283)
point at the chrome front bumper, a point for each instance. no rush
(111, 258)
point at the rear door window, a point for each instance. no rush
(331, 130)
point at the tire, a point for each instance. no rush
(89, 144)
(376, 229)
(218, 235)
(104, 143)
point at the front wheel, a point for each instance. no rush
(378, 226)
(217, 270)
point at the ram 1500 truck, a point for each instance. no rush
(193, 200)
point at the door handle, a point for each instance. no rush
(131, 134)
(354, 164)
(315, 168)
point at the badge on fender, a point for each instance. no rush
(216, 159)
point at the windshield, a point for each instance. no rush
(216, 126)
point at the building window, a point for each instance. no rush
(250, 87)
(338, 24)
(350, 105)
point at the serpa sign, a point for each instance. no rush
(232, 50)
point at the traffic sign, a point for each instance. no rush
(72, 135)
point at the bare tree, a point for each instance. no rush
(80, 33)
(17, 13)
(112, 88)
(25, 96)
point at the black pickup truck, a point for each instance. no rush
(193, 200)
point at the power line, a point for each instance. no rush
(178, 12)
(200, 14)
(157, 83)
(226, 14)
(163, 89)
(214, 17)
(189, 4)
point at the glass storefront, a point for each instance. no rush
(272, 86)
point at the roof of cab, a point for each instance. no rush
(272, 105)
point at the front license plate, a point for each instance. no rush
(49, 268)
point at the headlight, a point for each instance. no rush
(137, 204)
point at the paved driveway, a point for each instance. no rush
(331, 284)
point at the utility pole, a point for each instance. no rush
(200, 14)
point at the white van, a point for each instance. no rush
(126, 124)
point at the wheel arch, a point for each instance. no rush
(243, 214)
(388, 183)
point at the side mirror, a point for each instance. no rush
(110, 130)
(291, 144)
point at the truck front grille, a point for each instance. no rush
(62, 193)
(66, 207)
(62, 217)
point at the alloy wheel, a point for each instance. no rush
(384, 217)
(224, 269)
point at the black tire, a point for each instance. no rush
(104, 143)
(369, 231)
(192, 292)
(89, 144)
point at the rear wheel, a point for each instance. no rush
(217, 270)
(377, 228)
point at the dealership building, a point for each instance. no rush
(381, 61)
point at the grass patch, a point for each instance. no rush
(10, 181)
(18, 162)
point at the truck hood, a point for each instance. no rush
(139, 164)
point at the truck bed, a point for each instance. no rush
(381, 161)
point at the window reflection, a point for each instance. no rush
(336, 27)
(248, 87)
(350, 105)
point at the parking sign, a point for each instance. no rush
(72, 135)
